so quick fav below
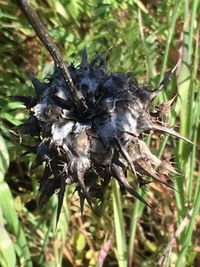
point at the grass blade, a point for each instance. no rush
(7, 251)
(119, 226)
(188, 234)
(138, 209)
(10, 215)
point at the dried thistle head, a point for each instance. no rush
(100, 138)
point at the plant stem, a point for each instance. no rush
(51, 47)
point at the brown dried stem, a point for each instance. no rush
(47, 41)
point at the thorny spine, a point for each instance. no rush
(106, 141)
(88, 125)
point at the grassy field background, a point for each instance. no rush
(146, 38)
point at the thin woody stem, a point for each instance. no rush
(47, 41)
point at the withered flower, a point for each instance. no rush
(87, 144)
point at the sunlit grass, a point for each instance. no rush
(148, 40)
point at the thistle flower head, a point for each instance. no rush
(100, 138)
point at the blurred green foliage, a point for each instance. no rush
(144, 37)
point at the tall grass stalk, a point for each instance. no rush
(140, 34)
(122, 253)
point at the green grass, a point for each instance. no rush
(148, 38)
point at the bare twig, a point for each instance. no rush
(47, 41)
(184, 223)
(104, 251)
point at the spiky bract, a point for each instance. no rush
(100, 138)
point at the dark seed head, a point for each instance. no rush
(101, 138)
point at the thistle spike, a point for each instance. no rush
(170, 131)
(164, 82)
(86, 196)
(113, 113)
(61, 194)
(39, 87)
(84, 62)
(122, 179)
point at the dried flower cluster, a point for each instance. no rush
(87, 144)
